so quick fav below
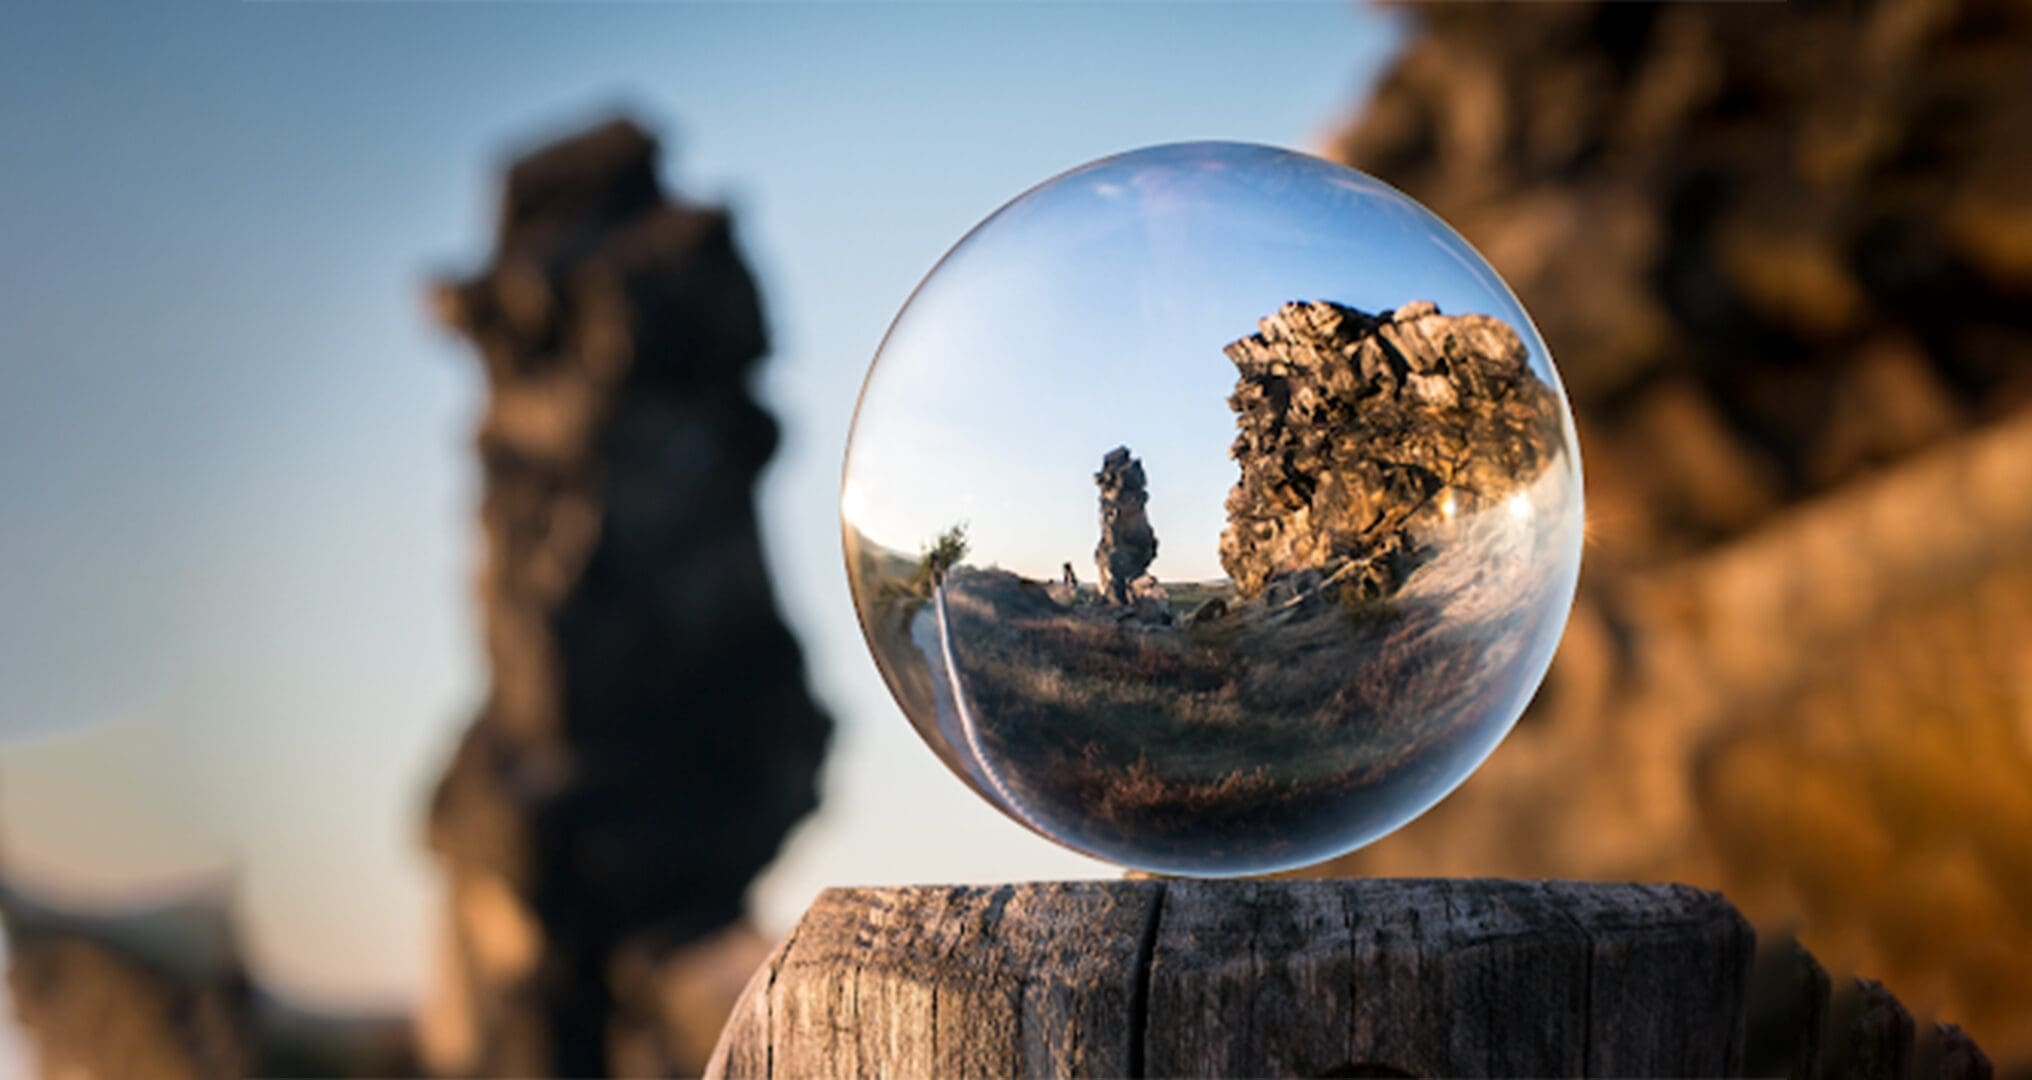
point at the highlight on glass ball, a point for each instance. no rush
(1212, 509)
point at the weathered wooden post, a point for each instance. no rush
(1301, 978)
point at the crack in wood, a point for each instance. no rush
(1139, 992)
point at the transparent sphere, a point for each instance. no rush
(1212, 509)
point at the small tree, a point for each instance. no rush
(942, 555)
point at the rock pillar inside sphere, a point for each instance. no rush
(1361, 435)
(1128, 544)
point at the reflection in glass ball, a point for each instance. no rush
(1212, 509)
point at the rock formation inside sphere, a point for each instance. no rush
(1358, 433)
(1399, 551)
(1128, 544)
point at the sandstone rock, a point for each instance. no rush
(1128, 544)
(1149, 601)
(1746, 202)
(1780, 256)
(1205, 613)
(1065, 592)
(162, 989)
(156, 991)
(1359, 432)
(648, 739)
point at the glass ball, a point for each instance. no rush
(1212, 509)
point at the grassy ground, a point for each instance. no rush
(1247, 732)
(1189, 596)
(1287, 728)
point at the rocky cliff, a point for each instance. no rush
(1782, 255)
(1358, 433)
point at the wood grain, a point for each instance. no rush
(1283, 978)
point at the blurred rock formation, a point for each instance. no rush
(648, 740)
(1128, 544)
(160, 991)
(1356, 431)
(1783, 257)
(155, 992)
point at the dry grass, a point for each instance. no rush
(1228, 733)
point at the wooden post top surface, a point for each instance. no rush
(1286, 978)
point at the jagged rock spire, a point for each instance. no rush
(1128, 544)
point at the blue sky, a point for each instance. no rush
(1092, 313)
(236, 549)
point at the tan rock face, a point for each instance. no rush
(1780, 252)
(1359, 434)
(648, 739)
(1740, 209)
(1128, 543)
